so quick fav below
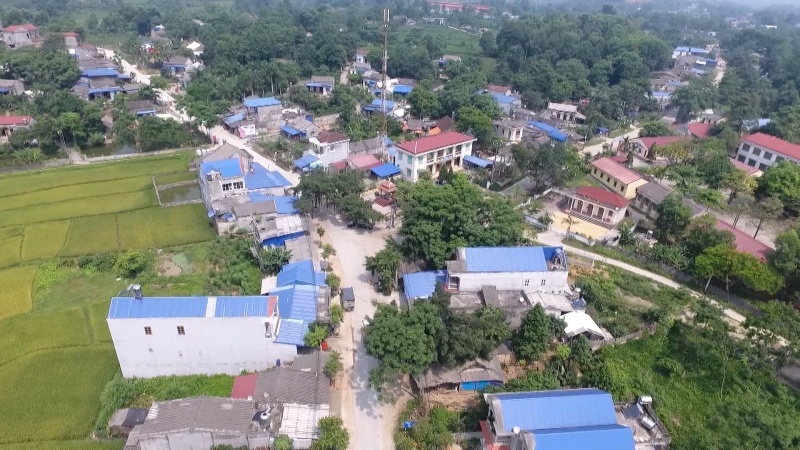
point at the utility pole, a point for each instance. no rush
(384, 126)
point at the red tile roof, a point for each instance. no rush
(742, 166)
(338, 166)
(14, 120)
(603, 196)
(430, 143)
(331, 136)
(616, 170)
(744, 242)
(244, 386)
(700, 130)
(22, 27)
(364, 161)
(774, 144)
(498, 88)
(661, 141)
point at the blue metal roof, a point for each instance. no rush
(682, 49)
(698, 71)
(422, 284)
(263, 101)
(290, 130)
(504, 99)
(292, 332)
(548, 410)
(318, 84)
(305, 161)
(542, 126)
(559, 136)
(233, 118)
(261, 178)
(600, 130)
(403, 89)
(252, 306)
(376, 104)
(385, 170)
(284, 204)
(100, 72)
(699, 50)
(228, 168)
(604, 437)
(509, 259)
(5, 90)
(300, 272)
(146, 112)
(480, 162)
(659, 94)
(105, 90)
(157, 307)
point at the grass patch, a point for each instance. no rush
(111, 444)
(177, 177)
(76, 191)
(21, 183)
(134, 229)
(15, 296)
(44, 240)
(98, 313)
(80, 208)
(66, 287)
(29, 333)
(179, 225)
(9, 251)
(89, 235)
(141, 393)
(8, 232)
(53, 394)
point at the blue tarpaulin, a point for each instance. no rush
(403, 89)
(289, 130)
(386, 170)
(474, 160)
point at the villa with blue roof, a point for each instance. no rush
(158, 336)
(530, 268)
(568, 419)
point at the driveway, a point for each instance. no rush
(598, 148)
(370, 421)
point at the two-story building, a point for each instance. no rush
(565, 112)
(549, 420)
(330, 147)
(433, 153)
(762, 150)
(361, 55)
(617, 177)
(158, 336)
(531, 268)
(598, 205)
(16, 36)
(509, 130)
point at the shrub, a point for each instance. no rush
(337, 313)
(334, 282)
(103, 262)
(317, 333)
(131, 263)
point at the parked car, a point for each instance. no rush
(366, 226)
(348, 298)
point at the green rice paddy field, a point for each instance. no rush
(57, 356)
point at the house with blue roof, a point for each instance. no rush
(161, 336)
(584, 419)
(320, 85)
(528, 268)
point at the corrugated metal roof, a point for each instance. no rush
(215, 414)
(233, 118)
(264, 101)
(386, 170)
(284, 204)
(100, 72)
(605, 437)
(305, 161)
(302, 421)
(261, 178)
(547, 410)
(157, 307)
(504, 99)
(253, 306)
(284, 385)
(480, 162)
(422, 284)
(300, 272)
(506, 259)
(292, 332)
(228, 168)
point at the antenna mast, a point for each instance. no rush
(384, 127)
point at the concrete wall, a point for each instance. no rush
(194, 440)
(554, 281)
(210, 346)
(331, 153)
(212, 190)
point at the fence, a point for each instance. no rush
(597, 345)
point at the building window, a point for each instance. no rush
(238, 185)
(544, 282)
(148, 331)
(779, 159)
(751, 162)
(527, 283)
(408, 172)
(762, 166)
(419, 159)
(768, 156)
(181, 331)
(742, 158)
(745, 148)
(622, 188)
(226, 187)
(410, 159)
(756, 151)
(615, 184)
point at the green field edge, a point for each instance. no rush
(77, 167)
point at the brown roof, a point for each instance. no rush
(700, 130)
(445, 123)
(22, 27)
(282, 385)
(661, 141)
(616, 170)
(602, 196)
(364, 161)
(498, 88)
(331, 136)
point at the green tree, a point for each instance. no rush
(334, 282)
(316, 333)
(131, 263)
(488, 45)
(673, 219)
(781, 181)
(272, 259)
(730, 266)
(702, 234)
(786, 123)
(320, 233)
(282, 442)
(738, 182)
(472, 120)
(581, 352)
(786, 257)
(333, 366)
(337, 313)
(332, 435)
(549, 166)
(627, 236)
(699, 95)
(384, 264)
(655, 128)
(766, 209)
(533, 336)
(423, 102)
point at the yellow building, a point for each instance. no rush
(617, 177)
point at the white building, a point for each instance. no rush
(541, 269)
(330, 147)
(509, 130)
(565, 112)
(156, 336)
(196, 48)
(433, 153)
(762, 150)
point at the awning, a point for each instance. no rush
(289, 130)
(403, 89)
(305, 161)
(480, 162)
(386, 170)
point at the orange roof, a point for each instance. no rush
(616, 170)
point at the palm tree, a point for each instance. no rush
(272, 259)
(570, 221)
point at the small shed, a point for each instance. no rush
(473, 375)
(384, 171)
(308, 162)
